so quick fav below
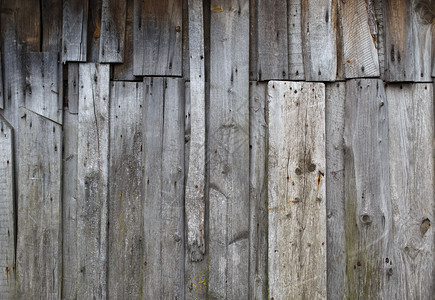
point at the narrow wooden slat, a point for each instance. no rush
(1, 82)
(113, 22)
(185, 41)
(73, 88)
(319, 39)
(335, 230)
(359, 49)
(368, 222)
(70, 209)
(42, 85)
(94, 31)
(272, 44)
(253, 40)
(164, 191)
(295, 53)
(258, 191)
(7, 216)
(92, 173)
(296, 189)
(228, 146)
(126, 191)
(51, 19)
(39, 207)
(158, 38)
(74, 30)
(378, 30)
(195, 184)
(411, 136)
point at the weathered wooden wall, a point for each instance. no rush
(223, 149)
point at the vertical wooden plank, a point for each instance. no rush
(228, 146)
(335, 222)
(164, 191)
(272, 44)
(253, 40)
(27, 26)
(2, 103)
(126, 191)
(51, 19)
(295, 53)
(70, 209)
(411, 135)
(185, 40)
(94, 31)
(73, 88)
(7, 215)
(359, 49)
(113, 22)
(258, 191)
(158, 38)
(319, 39)
(74, 30)
(377, 27)
(42, 85)
(367, 189)
(296, 189)
(92, 173)
(124, 71)
(39, 262)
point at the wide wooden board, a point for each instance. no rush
(74, 30)
(113, 21)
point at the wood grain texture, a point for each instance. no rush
(195, 183)
(335, 212)
(51, 24)
(295, 53)
(257, 191)
(2, 103)
(411, 136)
(70, 209)
(359, 49)
(164, 191)
(92, 182)
(368, 221)
(158, 38)
(7, 213)
(273, 54)
(113, 20)
(228, 148)
(42, 94)
(74, 30)
(377, 28)
(73, 88)
(408, 43)
(27, 26)
(39, 262)
(126, 191)
(319, 39)
(253, 40)
(94, 31)
(296, 190)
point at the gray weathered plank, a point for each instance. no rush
(273, 54)
(359, 49)
(39, 240)
(411, 136)
(295, 54)
(70, 265)
(94, 31)
(408, 43)
(73, 88)
(113, 22)
(253, 40)
(164, 191)
(7, 216)
(335, 222)
(74, 30)
(195, 183)
(258, 191)
(377, 29)
(319, 39)
(228, 246)
(158, 38)
(1, 82)
(126, 191)
(51, 22)
(296, 189)
(92, 173)
(42, 85)
(368, 221)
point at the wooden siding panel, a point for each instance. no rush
(51, 18)
(2, 103)
(92, 183)
(158, 38)
(112, 38)
(94, 31)
(74, 30)
(73, 88)
(295, 39)
(126, 191)
(7, 214)
(39, 207)
(272, 44)
(296, 189)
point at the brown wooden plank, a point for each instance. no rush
(51, 19)
(74, 30)
(113, 20)
(158, 38)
